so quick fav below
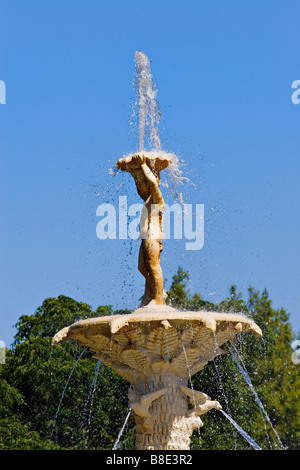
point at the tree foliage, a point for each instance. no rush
(61, 398)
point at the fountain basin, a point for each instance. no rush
(157, 349)
(158, 339)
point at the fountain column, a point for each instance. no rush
(166, 424)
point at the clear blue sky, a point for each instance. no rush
(224, 72)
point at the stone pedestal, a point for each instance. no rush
(168, 423)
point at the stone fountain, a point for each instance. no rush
(157, 348)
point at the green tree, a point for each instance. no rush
(61, 397)
(52, 413)
(177, 294)
(15, 435)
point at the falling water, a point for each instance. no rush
(248, 381)
(190, 375)
(148, 109)
(93, 388)
(223, 392)
(262, 413)
(90, 399)
(221, 385)
(63, 393)
(116, 444)
(241, 431)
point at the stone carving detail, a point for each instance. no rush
(163, 419)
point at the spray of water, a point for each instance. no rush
(116, 444)
(191, 383)
(90, 399)
(149, 115)
(248, 381)
(146, 97)
(63, 393)
(241, 431)
(190, 375)
(224, 394)
(93, 388)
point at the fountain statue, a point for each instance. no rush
(157, 348)
(146, 173)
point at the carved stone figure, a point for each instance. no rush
(146, 174)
